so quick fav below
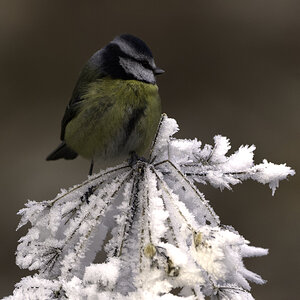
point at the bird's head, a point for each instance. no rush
(128, 57)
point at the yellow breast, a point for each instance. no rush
(115, 117)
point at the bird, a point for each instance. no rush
(115, 107)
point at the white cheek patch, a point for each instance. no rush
(137, 70)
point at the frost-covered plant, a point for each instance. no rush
(158, 236)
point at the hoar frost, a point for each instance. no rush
(158, 236)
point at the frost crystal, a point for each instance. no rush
(158, 236)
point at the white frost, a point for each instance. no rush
(105, 273)
(152, 229)
(270, 173)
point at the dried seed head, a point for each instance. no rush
(197, 239)
(172, 270)
(149, 250)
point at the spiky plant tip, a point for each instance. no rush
(155, 233)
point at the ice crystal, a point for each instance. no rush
(158, 235)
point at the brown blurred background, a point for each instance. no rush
(232, 67)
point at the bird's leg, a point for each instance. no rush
(91, 189)
(132, 159)
(91, 167)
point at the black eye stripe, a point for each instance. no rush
(146, 65)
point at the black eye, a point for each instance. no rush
(146, 65)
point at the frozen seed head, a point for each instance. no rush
(149, 250)
(171, 269)
(166, 233)
(197, 239)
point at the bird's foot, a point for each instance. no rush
(134, 159)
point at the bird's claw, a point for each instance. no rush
(134, 159)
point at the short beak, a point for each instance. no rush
(158, 71)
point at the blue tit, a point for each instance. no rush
(115, 107)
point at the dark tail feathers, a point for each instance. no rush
(62, 151)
